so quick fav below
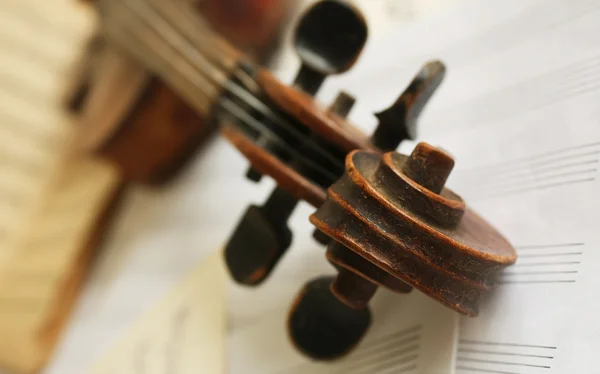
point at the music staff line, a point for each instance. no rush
(502, 358)
(544, 264)
(546, 246)
(530, 23)
(397, 351)
(27, 92)
(531, 94)
(511, 163)
(551, 160)
(541, 187)
(501, 362)
(508, 179)
(512, 32)
(467, 350)
(536, 172)
(47, 61)
(484, 371)
(524, 170)
(32, 16)
(28, 131)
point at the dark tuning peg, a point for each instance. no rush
(342, 105)
(321, 326)
(260, 239)
(399, 122)
(394, 225)
(253, 174)
(328, 39)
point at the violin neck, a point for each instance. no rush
(173, 41)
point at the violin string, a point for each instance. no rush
(238, 91)
(205, 39)
(219, 52)
(192, 83)
(140, 16)
(246, 97)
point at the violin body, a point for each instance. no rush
(142, 125)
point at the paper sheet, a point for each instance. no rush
(184, 334)
(519, 111)
(51, 203)
(42, 273)
(410, 334)
(39, 41)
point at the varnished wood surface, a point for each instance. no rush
(302, 107)
(286, 177)
(157, 138)
(118, 82)
(383, 235)
(455, 260)
(125, 118)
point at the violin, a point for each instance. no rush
(387, 218)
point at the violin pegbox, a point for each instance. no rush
(394, 225)
(329, 39)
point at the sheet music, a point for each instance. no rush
(410, 334)
(39, 40)
(184, 334)
(519, 112)
(51, 202)
(42, 272)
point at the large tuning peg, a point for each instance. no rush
(260, 239)
(395, 225)
(323, 327)
(399, 121)
(328, 40)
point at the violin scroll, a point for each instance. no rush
(395, 225)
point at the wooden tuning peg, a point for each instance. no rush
(328, 40)
(394, 225)
(399, 121)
